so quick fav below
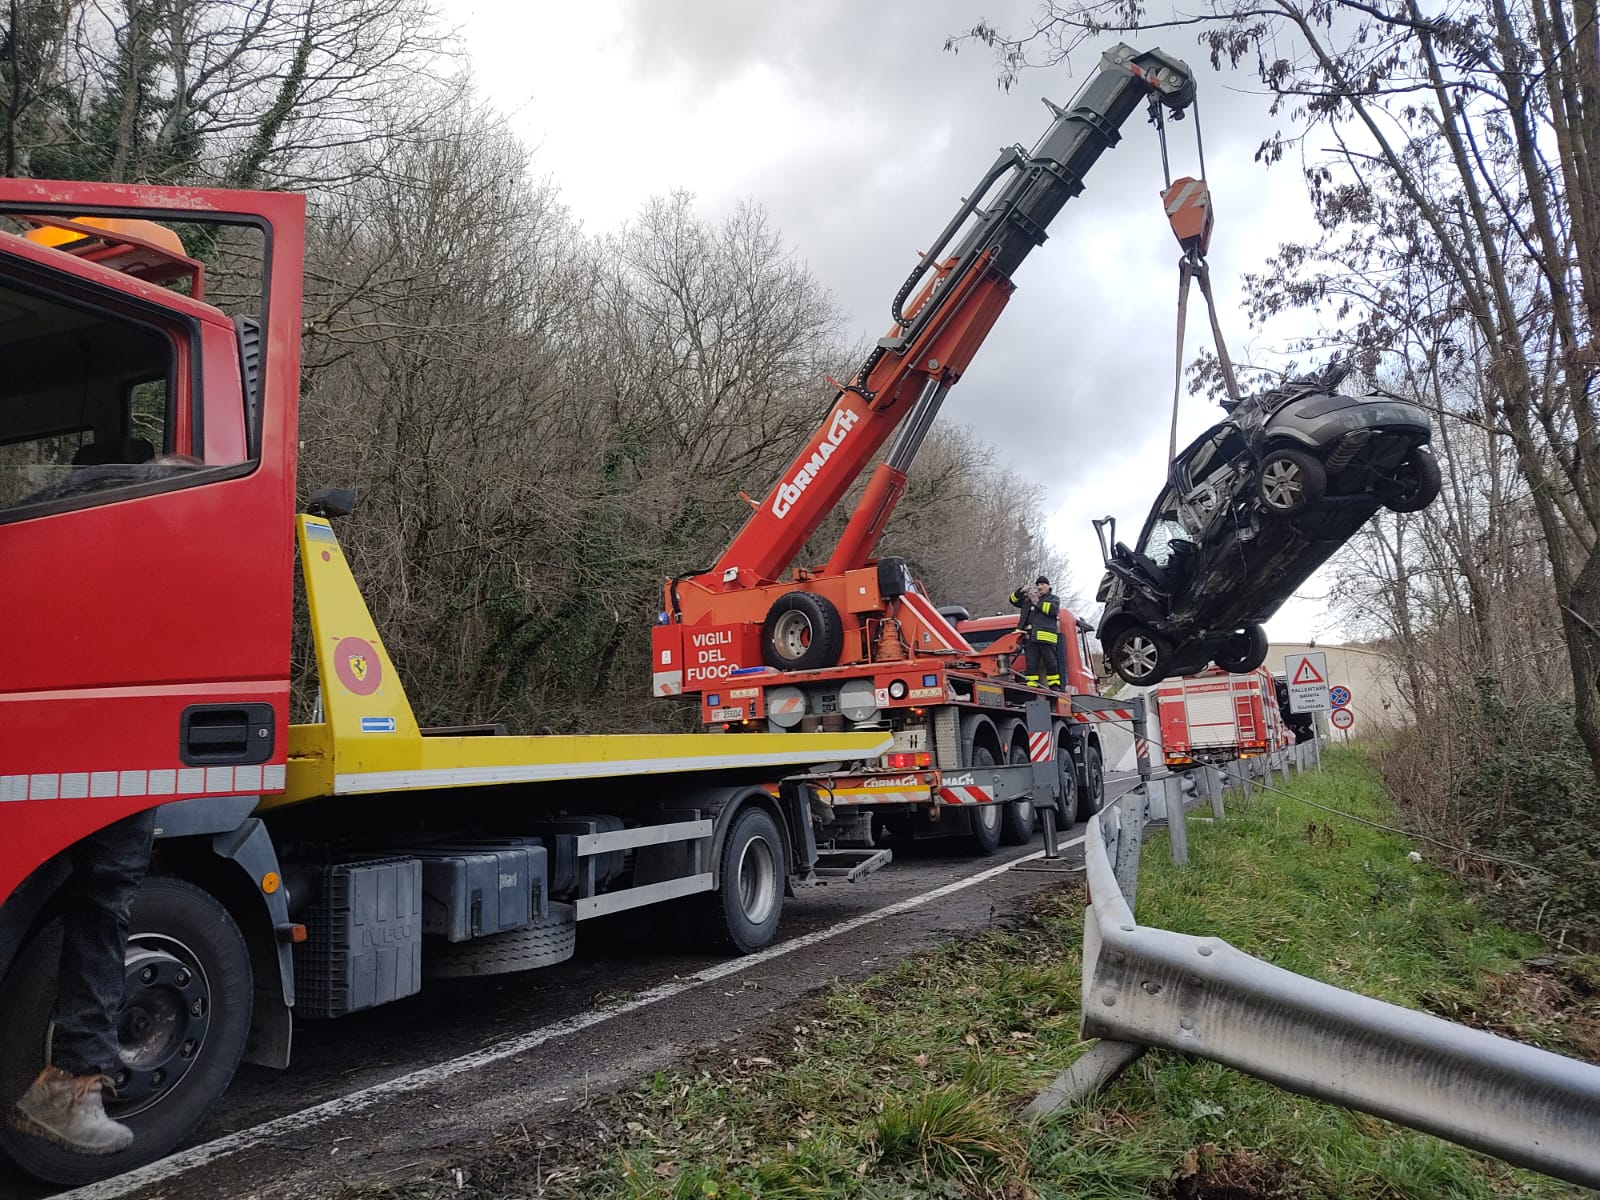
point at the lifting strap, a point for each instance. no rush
(1194, 267)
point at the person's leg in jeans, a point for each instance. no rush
(65, 1102)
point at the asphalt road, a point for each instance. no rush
(377, 1090)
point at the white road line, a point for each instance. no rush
(416, 1081)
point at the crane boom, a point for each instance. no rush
(941, 315)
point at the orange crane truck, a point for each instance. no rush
(855, 644)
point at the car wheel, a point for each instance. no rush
(802, 632)
(1290, 481)
(1243, 652)
(1140, 656)
(1416, 483)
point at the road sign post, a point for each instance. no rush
(1308, 682)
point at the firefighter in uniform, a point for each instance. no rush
(1041, 624)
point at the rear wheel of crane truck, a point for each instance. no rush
(183, 1027)
(1067, 773)
(1017, 825)
(986, 819)
(742, 915)
(1093, 795)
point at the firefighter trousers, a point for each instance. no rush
(1044, 662)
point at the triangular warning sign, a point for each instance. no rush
(1306, 673)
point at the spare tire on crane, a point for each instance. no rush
(802, 632)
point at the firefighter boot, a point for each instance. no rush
(69, 1110)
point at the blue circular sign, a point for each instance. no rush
(1339, 695)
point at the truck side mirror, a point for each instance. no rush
(332, 502)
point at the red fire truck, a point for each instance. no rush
(1214, 717)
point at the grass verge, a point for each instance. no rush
(911, 1084)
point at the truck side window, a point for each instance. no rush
(87, 403)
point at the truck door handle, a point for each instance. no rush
(226, 733)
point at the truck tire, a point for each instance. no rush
(985, 819)
(1067, 769)
(1092, 797)
(184, 1023)
(1017, 827)
(542, 944)
(742, 915)
(802, 632)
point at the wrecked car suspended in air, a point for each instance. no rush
(1251, 509)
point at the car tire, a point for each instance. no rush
(1140, 655)
(1017, 825)
(802, 632)
(1416, 483)
(1243, 652)
(177, 927)
(742, 915)
(1289, 482)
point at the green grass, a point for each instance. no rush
(911, 1084)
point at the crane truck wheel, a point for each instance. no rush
(1093, 795)
(1016, 828)
(1067, 769)
(802, 632)
(742, 915)
(986, 819)
(183, 1029)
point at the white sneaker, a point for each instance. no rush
(70, 1111)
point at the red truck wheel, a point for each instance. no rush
(183, 1030)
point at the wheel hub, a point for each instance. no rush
(791, 634)
(758, 871)
(1139, 655)
(1281, 483)
(166, 1012)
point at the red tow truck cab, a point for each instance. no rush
(1214, 717)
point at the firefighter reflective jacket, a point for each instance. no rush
(1043, 619)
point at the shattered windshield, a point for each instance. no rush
(1166, 526)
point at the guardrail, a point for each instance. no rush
(1145, 987)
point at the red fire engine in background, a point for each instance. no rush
(1214, 717)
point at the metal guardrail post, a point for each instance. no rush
(1246, 771)
(1177, 824)
(1316, 746)
(1214, 788)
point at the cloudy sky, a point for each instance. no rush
(853, 126)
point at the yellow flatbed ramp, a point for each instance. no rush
(369, 740)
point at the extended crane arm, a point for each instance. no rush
(942, 314)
